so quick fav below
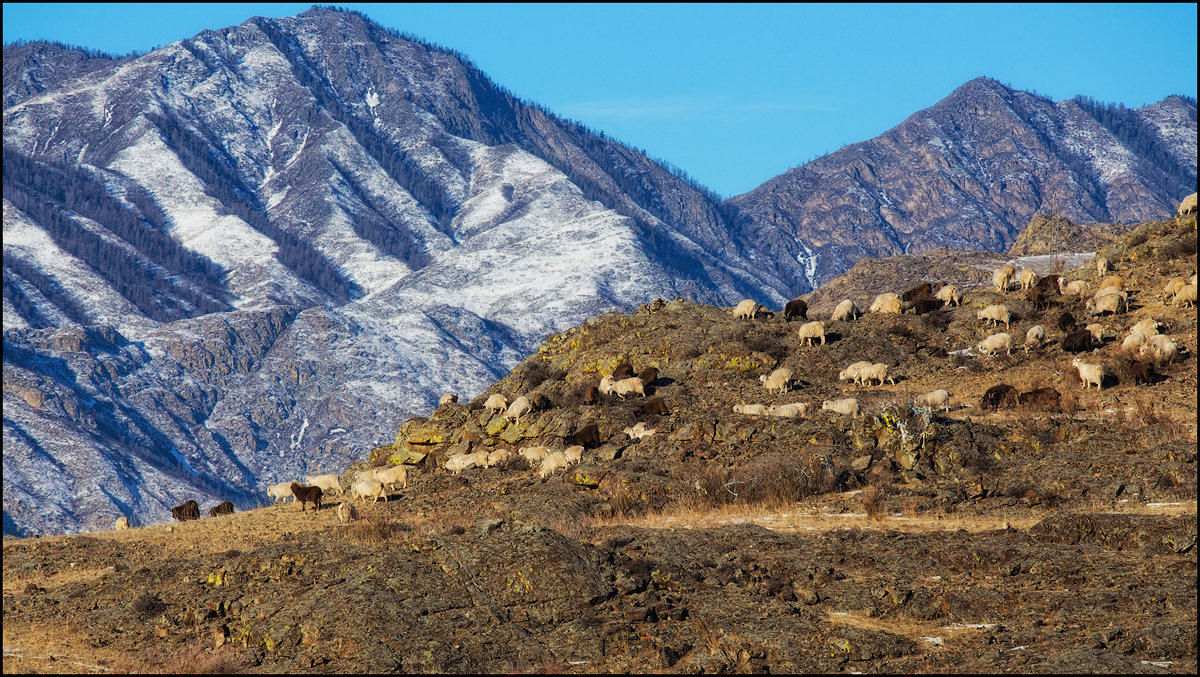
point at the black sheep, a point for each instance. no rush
(1077, 341)
(190, 510)
(225, 508)
(795, 308)
(306, 495)
(1066, 322)
(1002, 395)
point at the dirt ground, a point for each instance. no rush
(1024, 539)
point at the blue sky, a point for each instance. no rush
(733, 94)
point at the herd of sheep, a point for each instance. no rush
(1143, 341)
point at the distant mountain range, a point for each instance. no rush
(252, 254)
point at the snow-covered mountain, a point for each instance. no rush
(355, 223)
(250, 255)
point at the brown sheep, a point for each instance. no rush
(591, 395)
(1078, 341)
(623, 370)
(1049, 284)
(653, 406)
(306, 495)
(1042, 398)
(588, 435)
(225, 508)
(1039, 297)
(649, 375)
(1142, 371)
(921, 291)
(794, 308)
(540, 402)
(1066, 322)
(998, 396)
(190, 510)
(925, 305)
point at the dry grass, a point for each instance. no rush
(872, 501)
(192, 659)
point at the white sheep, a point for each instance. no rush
(1001, 279)
(533, 455)
(888, 303)
(746, 310)
(850, 373)
(479, 459)
(1076, 288)
(346, 512)
(750, 409)
(845, 311)
(995, 343)
(517, 409)
(811, 331)
(1097, 332)
(368, 489)
(455, 463)
(847, 406)
(1111, 291)
(1146, 327)
(792, 410)
(574, 453)
(1089, 373)
(1027, 278)
(1008, 268)
(878, 370)
(1109, 303)
(1186, 296)
(121, 524)
(496, 403)
(949, 295)
(329, 483)
(392, 476)
(938, 399)
(1173, 286)
(629, 386)
(779, 380)
(280, 491)
(448, 398)
(1035, 337)
(1102, 266)
(607, 385)
(499, 457)
(638, 431)
(553, 462)
(1162, 348)
(994, 314)
(1134, 341)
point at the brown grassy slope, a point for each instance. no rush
(635, 559)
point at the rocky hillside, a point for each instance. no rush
(248, 255)
(1048, 234)
(971, 171)
(1048, 535)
